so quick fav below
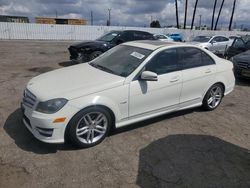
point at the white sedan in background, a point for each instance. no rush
(162, 37)
(215, 44)
(127, 84)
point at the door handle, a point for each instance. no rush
(208, 71)
(175, 79)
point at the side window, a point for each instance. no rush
(238, 43)
(126, 36)
(193, 57)
(142, 35)
(206, 59)
(216, 39)
(138, 35)
(224, 39)
(164, 62)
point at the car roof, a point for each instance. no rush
(128, 30)
(152, 44)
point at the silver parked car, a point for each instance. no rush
(216, 44)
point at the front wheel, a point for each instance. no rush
(94, 55)
(89, 127)
(213, 97)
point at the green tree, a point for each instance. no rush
(155, 24)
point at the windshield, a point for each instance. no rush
(109, 36)
(121, 60)
(201, 39)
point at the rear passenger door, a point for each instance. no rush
(126, 36)
(198, 74)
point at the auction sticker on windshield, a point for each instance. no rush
(137, 55)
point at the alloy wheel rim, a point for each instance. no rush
(91, 127)
(215, 97)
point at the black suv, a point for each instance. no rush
(89, 50)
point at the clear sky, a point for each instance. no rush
(128, 12)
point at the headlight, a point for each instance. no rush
(51, 106)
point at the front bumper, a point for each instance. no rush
(42, 126)
(76, 56)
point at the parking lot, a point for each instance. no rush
(191, 148)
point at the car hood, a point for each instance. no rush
(72, 82)
(90, 43)
(245, 56)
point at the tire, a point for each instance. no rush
(83, 130)
(213, 97)
(94, 55)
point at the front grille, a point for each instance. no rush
(29, 99)
(243, 65)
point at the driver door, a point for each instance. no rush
(148, 97)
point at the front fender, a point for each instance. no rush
(88, 101)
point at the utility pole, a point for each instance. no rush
(219, 14)
(212, 24)
(109, 22)
(185, 19)
(200, 21)
(91, 15)
(232, 16)
(56, 13)
(177, 17)
(195, 6)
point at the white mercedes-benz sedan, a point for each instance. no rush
(129, 83)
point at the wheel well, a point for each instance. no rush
(223, 86)
(102, 106)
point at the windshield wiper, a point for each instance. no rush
(103, 68)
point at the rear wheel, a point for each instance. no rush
(213, 97)
(89, 127)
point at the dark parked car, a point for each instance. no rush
(89, 50)
(238, 46)
(242, 64)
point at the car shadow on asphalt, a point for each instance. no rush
(193, 161)
(67, 63)
(15, 128)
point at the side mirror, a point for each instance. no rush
(149, 76)
(213, 42)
